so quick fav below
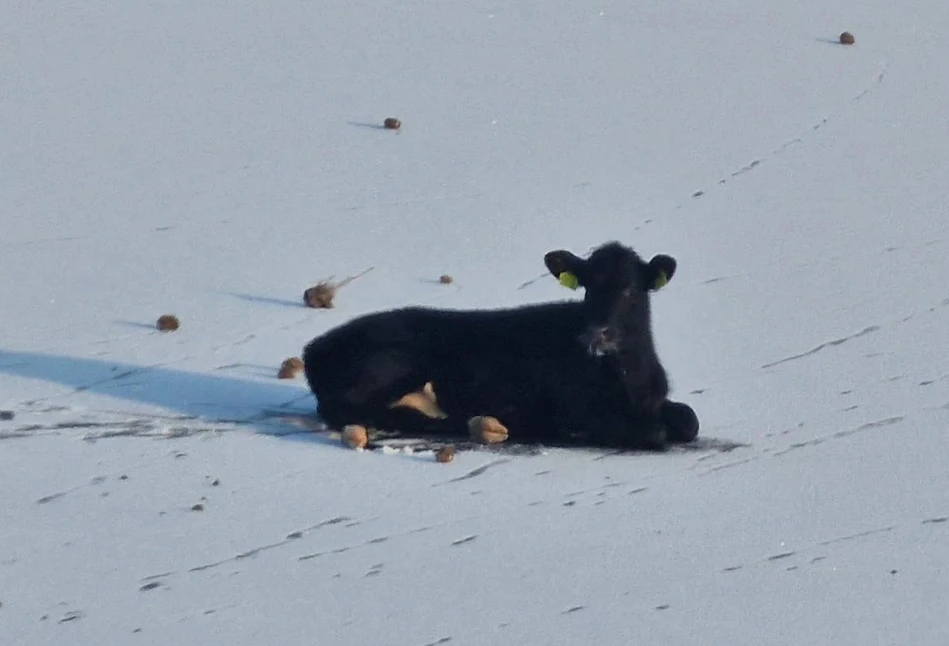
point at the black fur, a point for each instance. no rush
(574, 371)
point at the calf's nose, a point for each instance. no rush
(600, 341)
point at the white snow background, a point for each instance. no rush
(214, 159)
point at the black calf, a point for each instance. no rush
(559, 372)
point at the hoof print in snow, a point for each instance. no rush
(355, 436)
(487, 430)
(391, 123)
(462, 541)
(846, 38)
(375, 570)
(445, 279)
(167, 323)
(290, 368)
(445, 454)
(6, 415)
(73, 615)
(197, 507)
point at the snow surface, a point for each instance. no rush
(213, 159)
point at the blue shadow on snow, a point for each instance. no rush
(205, 397)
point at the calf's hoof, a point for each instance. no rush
(355, 436)
(487, 430)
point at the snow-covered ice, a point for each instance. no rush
(214, 159)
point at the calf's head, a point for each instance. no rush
(617, 283)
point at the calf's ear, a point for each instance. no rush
(659, 271)
(565, 266)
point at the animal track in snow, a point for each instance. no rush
(380, 539)
(788, 554)
(440, 640)
(52, 497)
(881, 423)
(245, 339)
(826, 344)
(475, 472)
(72, 615)
(291, 538)
(728, 465)
(466, 539)
(794, 140)
(867, 330)
(97, 480)
(698, 445)
(800, 445)
(375, 570)
(889, 421)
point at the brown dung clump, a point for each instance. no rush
(167, 323)
(290, 368)
(322, 294)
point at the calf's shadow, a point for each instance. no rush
(197, 396)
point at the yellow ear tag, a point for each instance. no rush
(661, 280)
(568, 280)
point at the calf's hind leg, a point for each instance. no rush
(405, 420)
(424, 401)
(361, 391)
(481, 428)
